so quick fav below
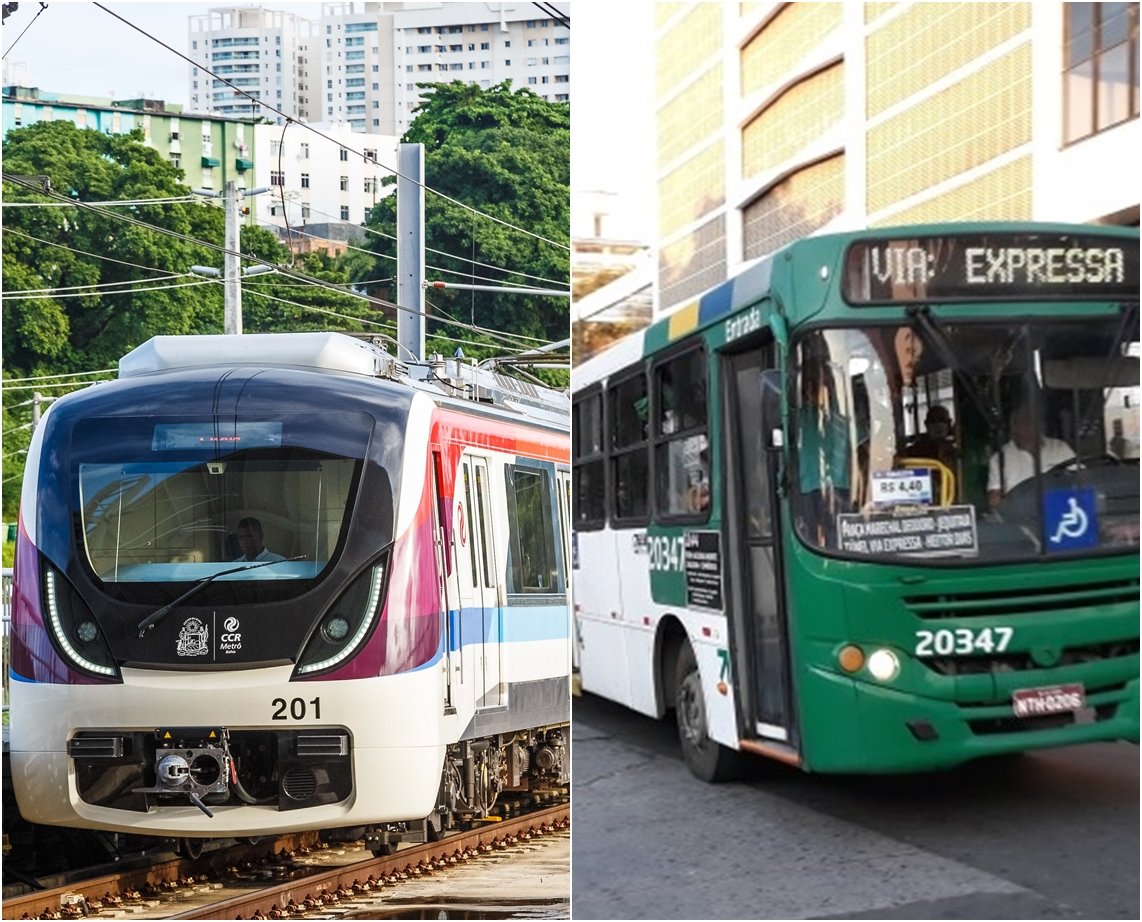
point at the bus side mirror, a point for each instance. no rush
(772, 385)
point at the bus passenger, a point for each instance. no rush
(937, 441)
(1014, 462)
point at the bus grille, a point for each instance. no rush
(1023, 601)
(1020, 662)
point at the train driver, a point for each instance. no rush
(249, 534)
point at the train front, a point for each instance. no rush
(204, 640)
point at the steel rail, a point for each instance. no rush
(417, 860)
(33, 905)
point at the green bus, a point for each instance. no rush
(872, 504)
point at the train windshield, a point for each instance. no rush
(968, 441)
(177, 500)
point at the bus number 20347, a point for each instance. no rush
(963, 641)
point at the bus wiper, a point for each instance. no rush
(154, 618)
(923, 319)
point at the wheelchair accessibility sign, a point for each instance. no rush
(1071, 519)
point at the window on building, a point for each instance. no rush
(176, 159)
(370, 155)
(277, 178)
(304, 147)
(344, 154)
(344, 183)
(344, 212)
(305, 180)
(305, 211)
(1100, 60)
(532, 81)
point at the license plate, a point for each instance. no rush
(1054, 699)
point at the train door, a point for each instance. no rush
(447, 568)
(760, 627)
(490, 667)
(563, 491)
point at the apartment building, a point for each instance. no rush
(316, 180)
(778, 120)
(361, 63)
(211, 150)
(263, 52)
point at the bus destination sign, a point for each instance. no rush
(970, 267)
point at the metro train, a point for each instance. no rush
(386, 648)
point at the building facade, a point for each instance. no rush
(778, 120)
(361, 63)
(314, 182)
(210, 150)
(261, 51)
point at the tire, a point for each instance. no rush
(706, 759)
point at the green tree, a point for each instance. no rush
(46, 247)
(504, 154)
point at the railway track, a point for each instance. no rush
(220, 893)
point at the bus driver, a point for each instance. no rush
(1014, 462)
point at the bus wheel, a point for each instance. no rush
(705, 758)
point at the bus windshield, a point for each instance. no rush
(967, 440)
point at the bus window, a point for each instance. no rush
(589, 498)
(681, 459)
(629, 457)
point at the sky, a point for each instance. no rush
(611, 67)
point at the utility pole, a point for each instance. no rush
(232, 265)
(410, 249)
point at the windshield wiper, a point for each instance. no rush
(154, 618)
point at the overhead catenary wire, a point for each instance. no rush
(43, 6)
(93, 294)
(70, 374)
(173, 200)
(327, 137)
(64, 246)
(375, 232)
(555, 13)
(63, 288)
(285, 271)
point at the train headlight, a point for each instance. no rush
(73, 629)
(348, 623)
(883, 665)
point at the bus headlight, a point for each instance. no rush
(883, 665)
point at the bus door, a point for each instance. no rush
(759, 627)
(490, 669)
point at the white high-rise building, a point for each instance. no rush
(373, 55)
(262, 51)
(315, 182)
(361, 63)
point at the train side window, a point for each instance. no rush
(532, 567)
(629, 450)
(482, 520)
(681, 448)
(589, 508)
(469, 526)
